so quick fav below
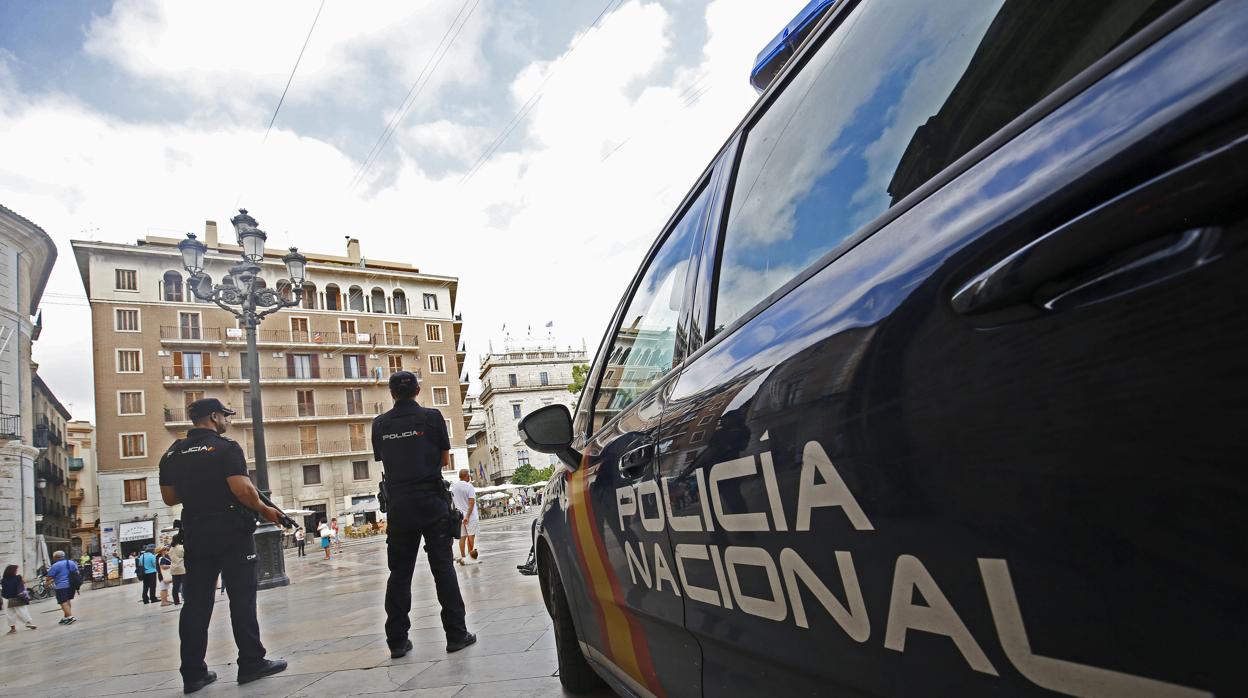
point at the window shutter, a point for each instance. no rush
(177, 364)
(207, 364)
(290, 365)
(316, 366)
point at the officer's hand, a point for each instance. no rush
(271, 514)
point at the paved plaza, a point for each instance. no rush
(327, 624)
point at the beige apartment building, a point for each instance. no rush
(324, 368)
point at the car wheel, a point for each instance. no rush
(576, 675)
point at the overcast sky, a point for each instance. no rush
(128, 118)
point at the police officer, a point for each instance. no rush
(207, 474)
(413, 447)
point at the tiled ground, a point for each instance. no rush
(327, 624)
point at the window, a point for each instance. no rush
(347, 328)
(189, 396)
(392, 332)
(312, 474)
(308, 441)
(395, 363)
(302, 366)
(333, 297)
(308, 302)
(378, 300)
(192, 365)
(353, 366)
(134, 491)
(127, 280)
(126, 320)
(515, 410)
(399, 299)
(359, 470)
(512, 380)
(881, 109)
(450, 433)
(646, 337)
(305, 403)
(355, 401)
(359, 440)
(171, 287)
(188, 326)
(130, 402)
(440, 397)
(431, 301)
(133, 445)
(522, 456)
(299, 329)
(433, 332)
(355, 298)
(437, 364)
(544, 378)
(129, 361)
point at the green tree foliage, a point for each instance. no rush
(579, 373)
(528, 475)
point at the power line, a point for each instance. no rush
(532, 101)
(292, 72)
(418, 86)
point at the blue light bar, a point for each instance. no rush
(780, 49)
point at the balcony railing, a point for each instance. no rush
(10, 426)
(521, 384)
(288, 337)
(76, 464)
(295, 449)
(276, 372)
(372, 409)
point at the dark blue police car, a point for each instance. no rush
(931, 384)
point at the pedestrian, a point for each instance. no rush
(207, 474)
(177, 566)
(337, 535)
(148, 570)
(412, 444)
(300, 540)
(325, 532)
(466, 501)
(16, 599)
(165, 583)
(65, 579)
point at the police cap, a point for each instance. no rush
(401, 381)
(205, 407)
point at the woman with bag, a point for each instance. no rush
(166, 575)
(177, 554)
(16, 599)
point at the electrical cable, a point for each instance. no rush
(292, 72)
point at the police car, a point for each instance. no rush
(931, 384)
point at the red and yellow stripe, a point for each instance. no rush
(624, 641)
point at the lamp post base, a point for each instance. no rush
(270, 561)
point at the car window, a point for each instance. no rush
(900, 90)
(646, 343)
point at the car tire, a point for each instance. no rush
(575, 673)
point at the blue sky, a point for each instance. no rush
(135, 117)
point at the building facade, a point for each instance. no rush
(83, 493)
(324, 368)
(27, 254)
(523, 378)
(53, 511)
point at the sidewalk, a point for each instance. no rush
(327, 624)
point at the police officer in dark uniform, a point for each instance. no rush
(413, 447)
(207, 474)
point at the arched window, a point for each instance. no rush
(284, 290)
(400, 302)
(333, 297)
(379, 300)
(355, 298)
(309, 296)
(171, 287)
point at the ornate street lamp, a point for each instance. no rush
(250, 305)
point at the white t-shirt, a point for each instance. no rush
(463, 491)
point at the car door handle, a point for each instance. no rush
(1139, 237)
(633, 462)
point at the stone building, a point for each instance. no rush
(324, 368)
(83, 493)
(53, 511)
(27, 254)
(527, 375)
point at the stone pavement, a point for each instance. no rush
(328, 624)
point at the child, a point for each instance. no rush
(16, 599)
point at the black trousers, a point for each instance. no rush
(302, 543)
(177, 587)
(233, 557)
(149, 587)
(401, 549)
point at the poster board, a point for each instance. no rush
(127, 568)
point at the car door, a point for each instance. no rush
(616, 510)
(973, 370)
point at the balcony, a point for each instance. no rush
(176, 416)
(303, 449)
(10, 427)
(41, 436)
(284, 338)
(76, 495)
(504, 386)
(195, 375)
(76, 464)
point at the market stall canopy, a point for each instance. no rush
(364, 507)
(298, 512)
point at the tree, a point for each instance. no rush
(579, 373)
(528, 475)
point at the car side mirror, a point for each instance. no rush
(549, 430)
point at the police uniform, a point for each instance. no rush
(217, 535)
(409, 441)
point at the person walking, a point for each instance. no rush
(177, 566)
(16, 599)
(65, 579)
(412, 444)
(165, 582)
(147, 569)
(466, 501)
(300, 541)
(207, 474)
(337, 535)
(325, 533)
